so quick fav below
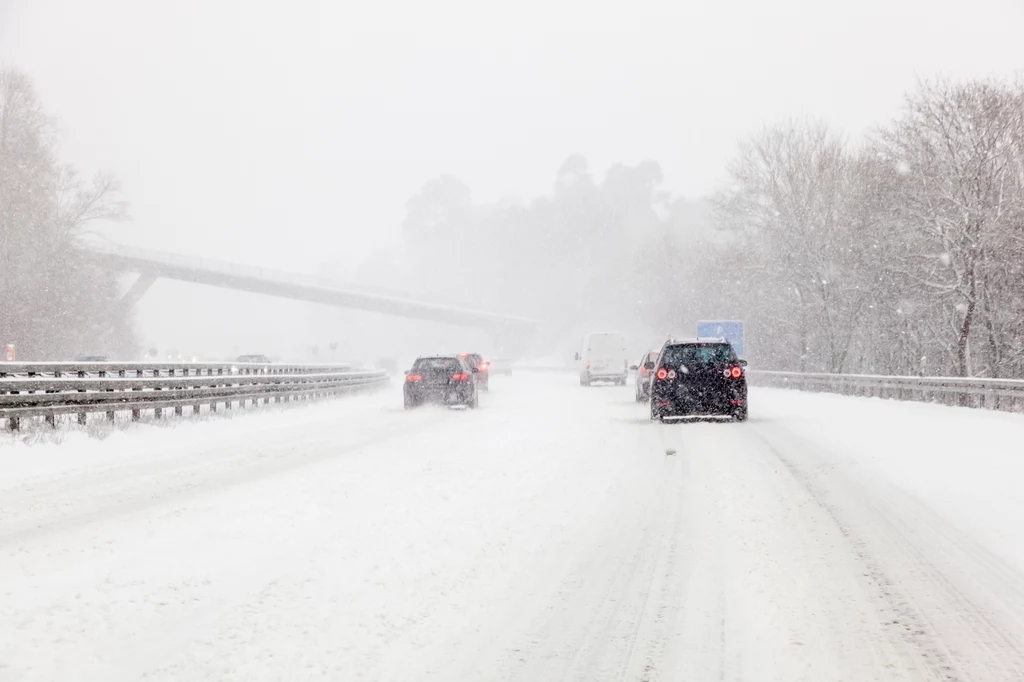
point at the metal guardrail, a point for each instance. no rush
(995, 394)
(48, 389)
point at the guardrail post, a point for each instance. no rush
(81, 415)
(177, 410)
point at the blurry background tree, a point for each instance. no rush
(52, 305)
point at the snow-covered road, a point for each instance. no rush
(547, 536)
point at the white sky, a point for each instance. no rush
(288, 133)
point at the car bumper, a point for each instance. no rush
(441, 396)
(604, 375)
(698, 405)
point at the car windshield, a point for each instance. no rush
(699, 354)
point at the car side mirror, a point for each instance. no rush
(743, 363)
(648, 365)
(407, 372)
(475, 369)
(633, 368)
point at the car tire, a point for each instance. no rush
(409, 403)
(584, 380)
(474, 402)
(740, 415)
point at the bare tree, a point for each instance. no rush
(788, 198)
(957, 198)
(50, 301)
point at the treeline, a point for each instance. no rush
(899, 253)
(52, 306)
(592, 254)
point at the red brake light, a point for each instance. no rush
(413, 377)
(460, 377)
(588, 364)
(484, 365)
(736, 372)
(662, 373)
(463, 355)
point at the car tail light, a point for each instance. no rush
(413, 377)
(460, 377)
(735, 372)
(662, 373)
(484, 365)
(588, 364)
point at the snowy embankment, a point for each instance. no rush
(546, 536)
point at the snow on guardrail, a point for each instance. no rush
(996, 394)
(49, 389)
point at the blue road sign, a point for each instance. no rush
(730, 330)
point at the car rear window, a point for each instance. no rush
(447, 364)
(699, 354)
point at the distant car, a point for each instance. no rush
(644, 372)
(254, 359)
(699, 377)
(481, 369)
(389, 365)
(501, 366)
(440, 379)
(92, 358)
(602, 357)
(262, 359)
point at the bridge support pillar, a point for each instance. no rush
(137, 290)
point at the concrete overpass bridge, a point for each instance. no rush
(151, 265)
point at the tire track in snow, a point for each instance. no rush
(908, 555)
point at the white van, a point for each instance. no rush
(602, 357)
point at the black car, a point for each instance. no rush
(480, 367)
(442, 379)
(699, 378)
(257, 358)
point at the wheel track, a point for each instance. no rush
(944, 636)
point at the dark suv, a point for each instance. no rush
(699, 378)
(443, 379)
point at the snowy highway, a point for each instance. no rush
(547, 536)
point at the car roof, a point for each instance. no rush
(696, 339)
(444, 356)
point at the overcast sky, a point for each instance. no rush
(290, 133)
